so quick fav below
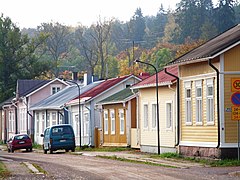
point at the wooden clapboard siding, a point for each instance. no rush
(231, 59)
(149, 135)
(231, 63)
(196, 132)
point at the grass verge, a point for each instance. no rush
(4, 173)
(204, 161)
(135, 161)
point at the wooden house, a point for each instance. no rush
(209, 83)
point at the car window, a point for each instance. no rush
(21, 137)
(56, 131)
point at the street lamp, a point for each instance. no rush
(79, 111)
(158, 131)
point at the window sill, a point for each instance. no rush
(188, 124)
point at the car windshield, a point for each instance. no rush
(21, 137)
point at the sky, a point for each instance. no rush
(31, 13)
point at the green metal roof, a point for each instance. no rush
(119, 97)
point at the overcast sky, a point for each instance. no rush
(31, 13)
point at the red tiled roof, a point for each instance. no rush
(103, 86)
(162, 78)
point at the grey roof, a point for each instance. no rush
(25, 87)
(6, 102)
(59, 99)
(211, 47)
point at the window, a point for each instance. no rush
(86, 124)
(121, 119)
(77, 128)
(210, 105)
(54, 118)
(11, 121)
(105, 121)
(55, 89)
(199, 102)
(60, 118)
(48, 120)
(188, 103)
(37, 123)
(169, 118)
(145, 115)
(154, 115)
(23, 119)
(112, 116)
(43, 122)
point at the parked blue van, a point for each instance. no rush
(58, 137)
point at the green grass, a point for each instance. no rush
(4, 173)
(134, 161)
(39, 169)
(37, 146)
(204, 161)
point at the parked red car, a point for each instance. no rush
(19, 141)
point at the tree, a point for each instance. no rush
(137, 26)
(17, 58)
(87, 48)
(225, 15)
(57, 43)
(100, 37)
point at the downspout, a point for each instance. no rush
(178, 105)
(218, 99)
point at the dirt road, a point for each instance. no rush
(67, 166)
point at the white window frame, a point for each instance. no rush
(113, 121)
(54, 118)
(199, 104)
(86, 124)
(105, 117)
(43, 122)
(169, 115)
(145, 116)
(121, 121)
(154, 116)
(188, 103)
(77, 128)
(210, 101)
(55, 88)
(11, 121)
(23, 119)
(37, 123)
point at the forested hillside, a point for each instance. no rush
(109, 47)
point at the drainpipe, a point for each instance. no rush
(178, 105)
(218, 99)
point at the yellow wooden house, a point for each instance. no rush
(209, 97)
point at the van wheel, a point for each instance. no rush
(67, 150)
(12, 150)
(73, 150)
(51, 151)
(45, 151)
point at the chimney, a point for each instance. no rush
(75, 76)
